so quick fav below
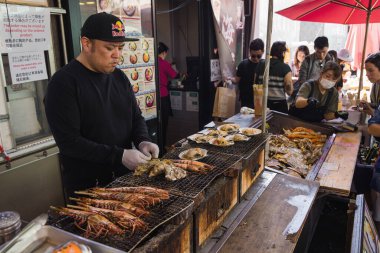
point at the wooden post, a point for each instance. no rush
(369, 10)
(267, 61)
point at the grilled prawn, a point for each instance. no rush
(135, 199)
(112, 205)
(121, 218)
(150, 191)
(97, 225)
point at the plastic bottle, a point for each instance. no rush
(340, 103)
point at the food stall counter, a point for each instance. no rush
(337, 171)
(275, 214)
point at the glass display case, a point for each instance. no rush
(23, 123)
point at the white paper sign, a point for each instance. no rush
(192, 101)
(27, 67)
(176, 100)
(215, 70)
(24, 28)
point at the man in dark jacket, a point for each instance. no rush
(312, 65)
(93, 113)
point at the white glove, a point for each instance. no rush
(132, 158)
(149, 149)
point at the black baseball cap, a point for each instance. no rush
(106, 27)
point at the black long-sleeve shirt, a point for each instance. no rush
(93, 118)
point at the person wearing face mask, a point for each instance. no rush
(318, 99)
(245, 72)
(280, 78)
(313, 63)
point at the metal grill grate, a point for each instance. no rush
(192, 184)
(159, 215)
(241, 148)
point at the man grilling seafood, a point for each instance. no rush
(93, 113)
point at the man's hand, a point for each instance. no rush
(149, 149)
(132, 158)
(312, 101)
(367, 108)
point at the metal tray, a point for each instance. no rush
(39, 238)
(277, 121)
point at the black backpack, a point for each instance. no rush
(311, 113)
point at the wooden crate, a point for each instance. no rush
(251, 169)
(220, 198)
(171, 238)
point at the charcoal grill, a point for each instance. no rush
(190, 186)
(278, 121)
(159, 215)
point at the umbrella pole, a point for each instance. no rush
(267, 61)
(364, 49)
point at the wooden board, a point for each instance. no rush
(338, 168)
(247, 177)
(275, 221)
(171, 238)
(220, 199)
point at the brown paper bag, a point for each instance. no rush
(258, 99)
(224, 103)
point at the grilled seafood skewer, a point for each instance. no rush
(123, 219)
(135, 199)
(193, 166)
(150, 191)
(97, 225)
(205, 165)
(112, 205)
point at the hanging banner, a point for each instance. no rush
(229, 24)
(24, 28)
(27, 67)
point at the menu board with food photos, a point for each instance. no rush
(128, 11)
(138, 59)
(138, 64)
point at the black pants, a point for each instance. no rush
(246, 100)
(165, 112)
(278, 105)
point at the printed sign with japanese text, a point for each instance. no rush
(27, 67)
(24, 28)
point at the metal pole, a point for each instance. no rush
(267, 61)
(369, 10)
(157, 80)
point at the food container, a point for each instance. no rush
(10, 223)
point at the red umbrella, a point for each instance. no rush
(337, 11)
